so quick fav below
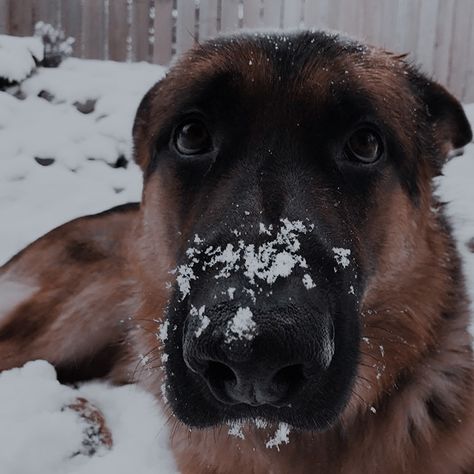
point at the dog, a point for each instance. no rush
(289, 282)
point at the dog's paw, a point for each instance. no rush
(97, 435)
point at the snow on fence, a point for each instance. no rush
(439, 34)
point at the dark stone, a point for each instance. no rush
(86, 107)
(44, 161)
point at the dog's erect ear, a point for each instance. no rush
(445, 113)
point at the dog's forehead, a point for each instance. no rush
(312, 67)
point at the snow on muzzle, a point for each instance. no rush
(258, 327)
(263, 355)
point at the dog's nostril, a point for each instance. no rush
(219, 373)
(288, 379)
(221, 380)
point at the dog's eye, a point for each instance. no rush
(364, 145)
(192, 138)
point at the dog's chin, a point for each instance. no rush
(316, 409)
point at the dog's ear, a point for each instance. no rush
(445, 113)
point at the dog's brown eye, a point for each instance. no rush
(192, 138)
(364, 145)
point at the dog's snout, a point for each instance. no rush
(269, 365)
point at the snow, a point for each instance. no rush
(281, 436)
(241, 326)
(34, 421)
(35, 198)
(81, 179)
(17, 56)
(203, 319)
(277, 257)
(342, 256)
(236, 429)
(163, 332)
(308, 282)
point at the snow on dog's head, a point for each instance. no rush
(281, 201)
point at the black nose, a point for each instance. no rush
(232, 384)
(269, 368)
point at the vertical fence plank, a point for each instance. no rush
(349, 17)
(468, 89)
(4, 14)
(118, 30)
(140, 30)
(272, 13)
(230, 16)
(93, 29)
(20, 22)
(442, 47)
(163, 26)
(252, 11)
(371, 12)
(71, 22)
(185, 25)
(208, 18)
(408, 19)
(424, 47)
(47, 11)
(316, 14)
(292, 13)
(388, 25)
(463, 11)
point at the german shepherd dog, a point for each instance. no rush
(288, 285)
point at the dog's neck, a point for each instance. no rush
(411, 401)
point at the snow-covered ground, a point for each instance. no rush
(57, 163)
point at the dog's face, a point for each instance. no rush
(283, 176)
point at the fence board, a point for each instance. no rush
(93, 30)
(272, 13)
(387, 29)
(47, 11)
(468, 90)
(345, 15)
(230, 16)
(185, 25)
(370, 20)
(21, 18)
(442, 47)
(459, 45)
(426, 38)
(4, 14)
(71, 22)
(118, 30)
(140, 31)
(292, 13)
(407, 26)
(163, 25)
(316, 14)
(252, 11)
(208, 18)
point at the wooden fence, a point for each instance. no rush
(439, 34)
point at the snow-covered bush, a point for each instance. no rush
(57, 46)
(18, 58)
